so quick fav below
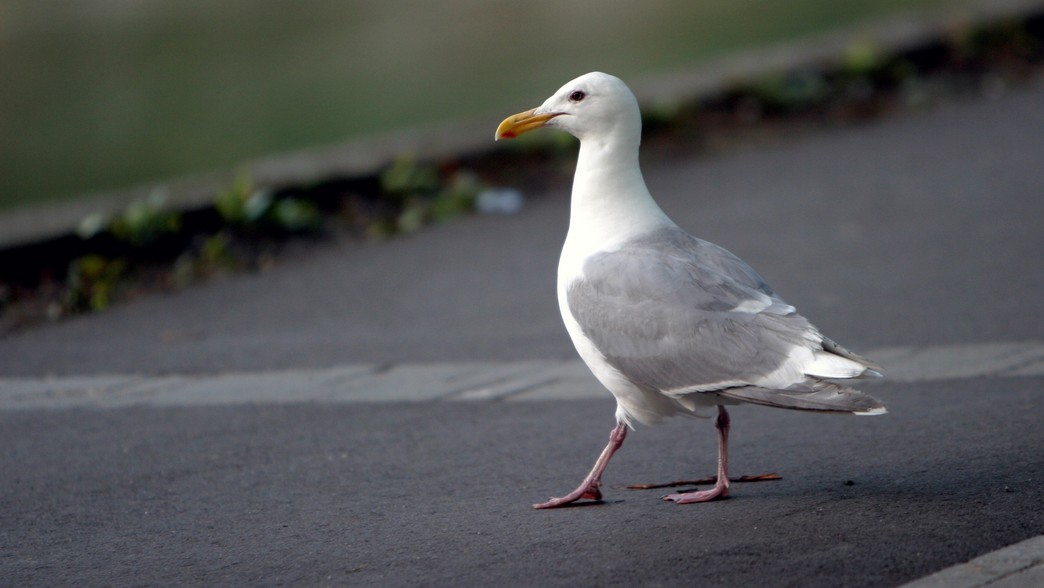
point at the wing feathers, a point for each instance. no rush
(872, 369)
(689, 320)
(811, 394)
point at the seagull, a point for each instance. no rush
(671, 324)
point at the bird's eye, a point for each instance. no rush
(577, 96)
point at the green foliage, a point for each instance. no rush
(423, 195)
(140, 224)
(92, 282)
(406, 177)
(210, 254)
(240, 203)
(256, 210)
(144, 221)
(216, 251)
(457, 196)
(414, 215)
(862, 57)
(293, 215)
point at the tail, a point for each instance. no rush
(811, 394)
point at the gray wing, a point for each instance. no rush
(675, 313)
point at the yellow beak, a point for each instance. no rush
(522, 122)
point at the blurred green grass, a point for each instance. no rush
(103, 94)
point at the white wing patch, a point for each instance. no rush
(790, 372)
(753, 305)
(828, 365)
(802, 362)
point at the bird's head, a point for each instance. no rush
(594, 104)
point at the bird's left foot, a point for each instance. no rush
(587, 490)
(718, 492)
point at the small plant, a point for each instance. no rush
(423, 195)
(208, 255)
(862, 58)
(406, 176)
(294, 216)
(241, 204)
(92, 283)
(457, 196)
(146, 220)
(257, 210)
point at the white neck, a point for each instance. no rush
(610, 202)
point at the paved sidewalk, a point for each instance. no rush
(421, 474)
(534, 381)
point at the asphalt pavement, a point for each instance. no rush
(385, 413)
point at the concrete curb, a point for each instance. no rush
(465, 381)
(1016, 566)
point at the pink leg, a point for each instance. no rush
(589, 488)
(721, 487)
